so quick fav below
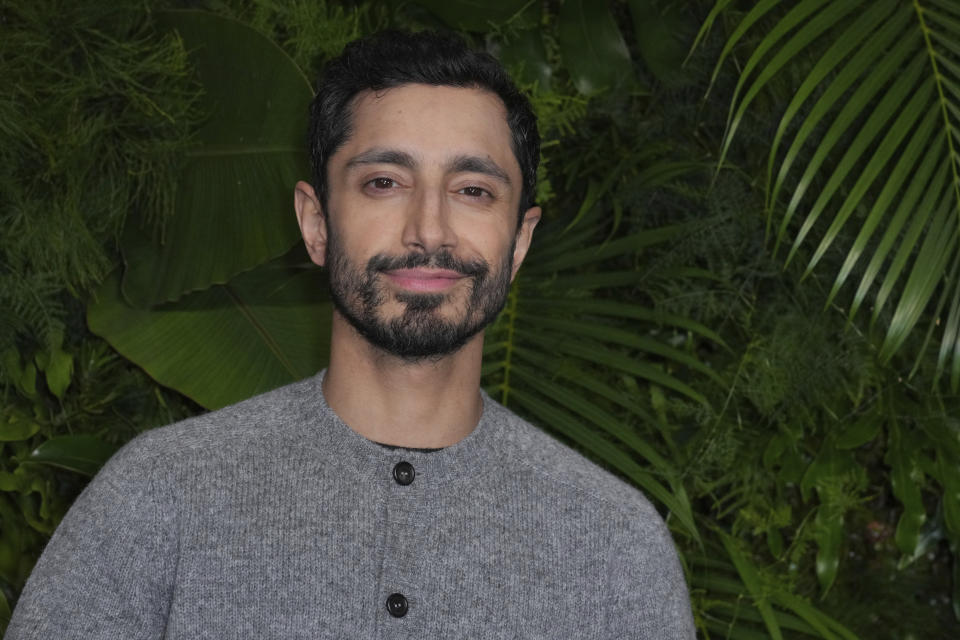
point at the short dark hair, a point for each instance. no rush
(394, 58)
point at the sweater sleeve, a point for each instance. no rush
(648, 597)
(108, 570)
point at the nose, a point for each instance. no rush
(427, 226)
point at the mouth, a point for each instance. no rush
(424, 280)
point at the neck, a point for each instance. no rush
(429, 403)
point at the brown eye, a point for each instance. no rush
(382, 183)
(474, 192)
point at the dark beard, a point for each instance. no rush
(419, 332)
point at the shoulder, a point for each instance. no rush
(644, 592)
(266, 418)
(549, 461)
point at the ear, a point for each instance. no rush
(524, 235)
(313, 225)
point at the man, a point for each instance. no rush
(386, 497)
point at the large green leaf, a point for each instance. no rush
(524, 54)
(828, 534)
(660, 28)
(872, 150)
(81, 453)
(234, 199)
(906, 478)
(263, 329)
(950, 479)
(592, 47)
(17, 425)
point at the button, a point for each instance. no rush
(397, 605)
(403, 473)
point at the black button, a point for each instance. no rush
(403, 473)
(397, 605)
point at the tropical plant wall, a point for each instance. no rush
(744, 297)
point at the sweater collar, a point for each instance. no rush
(460, 461)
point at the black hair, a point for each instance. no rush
(394, 58)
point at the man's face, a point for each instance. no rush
(421, 235)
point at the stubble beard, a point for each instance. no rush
(420, 332)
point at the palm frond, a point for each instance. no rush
(575, 347)
(746, 603)
(871, 165)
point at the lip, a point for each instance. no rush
(428, 280)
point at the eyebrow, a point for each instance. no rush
(476, 164)
(383, 156)
(459, 164)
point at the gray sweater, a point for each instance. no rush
(273, 519)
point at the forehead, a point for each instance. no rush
(432, 122)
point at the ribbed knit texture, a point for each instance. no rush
(273, 519)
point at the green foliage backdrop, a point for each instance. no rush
(806, 458)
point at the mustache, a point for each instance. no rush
(437, 260)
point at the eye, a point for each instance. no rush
(476, 192)
(382, 184)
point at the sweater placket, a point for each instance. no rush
(403, 611)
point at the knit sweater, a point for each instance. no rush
(273, 519)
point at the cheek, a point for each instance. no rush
(374, 230)
(357, 242)
(486, 235)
